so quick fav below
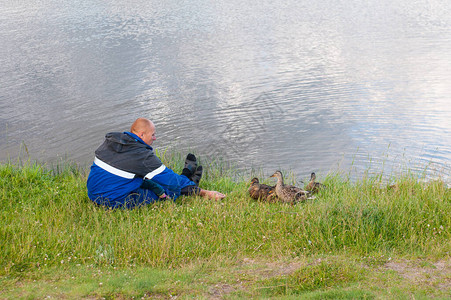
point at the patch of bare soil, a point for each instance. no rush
(437, 274)
(272, 269)
(218, 291)
(253, 269)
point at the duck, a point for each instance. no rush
(288, 193)
(314, 186)
(260, 191)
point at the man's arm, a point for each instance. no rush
(154, 187)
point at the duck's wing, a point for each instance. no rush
(310, 186)
(266, 187)
(254, 191)
(318, 186)
(260, 191)
(254, 194)
(293, 189)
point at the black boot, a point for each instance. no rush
(190, 165)
(196, 176)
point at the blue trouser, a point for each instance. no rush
(142, 196)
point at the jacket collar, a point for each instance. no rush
(137, 138)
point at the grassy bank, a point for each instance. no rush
(355, 240)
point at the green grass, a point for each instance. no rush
(347, 243)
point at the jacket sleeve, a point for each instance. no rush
(171, 182)
(153, 186)
(148, 165)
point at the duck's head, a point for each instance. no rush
(312, 176)
(254, 181)
(277, 174)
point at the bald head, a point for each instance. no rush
(140, 124)
(145, 129)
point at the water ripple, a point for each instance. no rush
(299, 85)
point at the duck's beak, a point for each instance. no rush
(273, 175)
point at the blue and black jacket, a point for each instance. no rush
(121, 164)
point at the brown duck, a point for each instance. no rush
(260, 191)
(314, 186)
(288, 193)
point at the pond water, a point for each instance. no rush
(300, 86)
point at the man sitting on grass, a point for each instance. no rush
(127, 173)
